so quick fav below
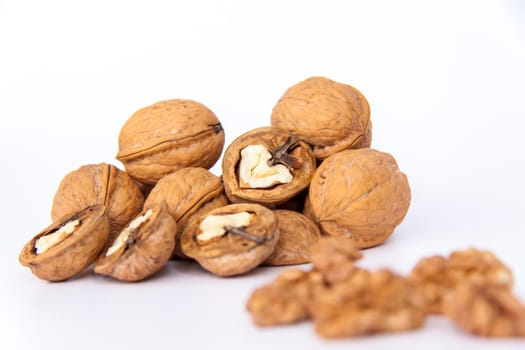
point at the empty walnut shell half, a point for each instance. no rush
(297, 233)
(167, 136)
(101, 184)
(142, 248)
(267, 166)
(67, 246)
(188, 192)
(231, 240)
(360, 194)
(328, 115)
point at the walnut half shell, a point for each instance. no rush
(231, 240)
(142, 248)
(267, 166)
(67, 246)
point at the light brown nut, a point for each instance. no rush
(142, 248)
(333, 258)
(435, 278)
(330, 116)
(283, 301)
(297, 234)
(231, 240)
(486, 309)
(169, 135)
(101, 184)
(67, 246)
(366, 303)
(360, 194)
(188, 192)
(266, 166)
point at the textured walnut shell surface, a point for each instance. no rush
(101, 184)
(297, 233)
(231, 254)
(330, 116)
(151, 248)
(360, 194)
(73, 254)
(271, 138)
(169, 135)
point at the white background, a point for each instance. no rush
(445, 81)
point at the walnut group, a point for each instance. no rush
(285, 189)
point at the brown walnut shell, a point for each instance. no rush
(233, 253)
(360, 194)
(73, 254)
(188, 192)
(278, 194)
(328, 115)
(297, 233)
(101, 184)
(146, 251)
(169, 135)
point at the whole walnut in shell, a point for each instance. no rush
(142, 248)
(102, 184)
(297, 233)
(231, 240)
(328, 115)
(188, 192)
(267, 166)
(169, 135)
(68, 245)
(360, 194)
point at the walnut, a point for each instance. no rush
(334, 258)
(297, 233)
(266, 166)
(486, 308)
(360, 194)
(142, 248)
(366, 303)
(102, 184)
(436, 277)
(285, 300)
(68, 246)
(231, 240)
(169, 135)
(187, 192)
(330, 116)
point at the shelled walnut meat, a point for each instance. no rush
(482, 307)
(283, 301)
(142, 248)
(436, 278)
(67, 246)
(102, 184)
(359, 194)
(267, 166)
(366, 303)
(328, 115)
(188, 192)
(297, 233)
(231, 240)
(169, 135)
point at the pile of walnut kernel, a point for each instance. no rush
(284, 188)
(471, 288)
